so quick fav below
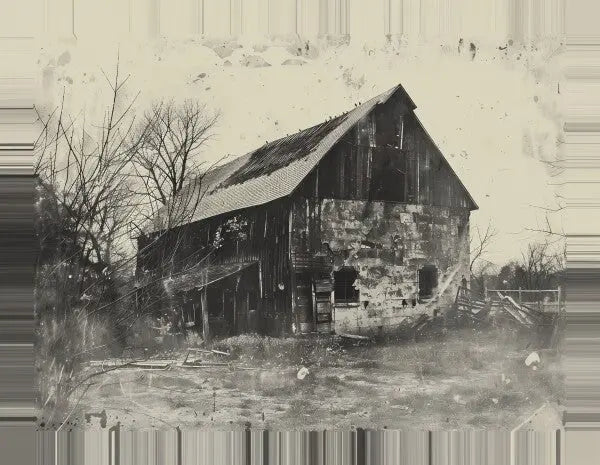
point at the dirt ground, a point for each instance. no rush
(464, 379)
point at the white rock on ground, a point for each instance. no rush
(533, 357)
(302, 373)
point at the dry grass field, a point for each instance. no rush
(465, 379)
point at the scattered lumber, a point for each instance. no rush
(206, 351)
(421, 322)
(354, 337)
(153, 364)
(218, 352)
(202, 364)
(145, 364)
(508, 305)
(110, 363)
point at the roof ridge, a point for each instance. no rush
(274, 174)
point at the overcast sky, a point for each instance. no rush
(494, 116)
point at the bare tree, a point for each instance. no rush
(480, 244)
(556, 169)
(539, 266)
(83, 202)
(89, 200)
(546, 228)
(481, 273)
(170, 172)
(82, 170)
(479, 267)
(169, 157)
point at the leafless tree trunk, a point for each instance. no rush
(169, 157)
(170, 171)
(480, 244)
(84, 203)
(89, 201)
(479, 267)
(82, 171)
(540, 264)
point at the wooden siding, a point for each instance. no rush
(387, 156)
(385, 160)
(258, 234)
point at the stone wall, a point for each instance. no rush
(387, 243)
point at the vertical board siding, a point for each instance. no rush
(267, 241)
(356, 163)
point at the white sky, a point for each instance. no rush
(496, 118)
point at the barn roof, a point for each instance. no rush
(268, 173)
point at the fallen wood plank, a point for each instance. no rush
(196, 349)
(535, 315)
(218, 352)
(355, 337)
(151, 366)
(509, 305)
(109, 363)
(517, 307)
(202, 362)
(133, 364)
(112, 363)
(205, 365)
(474, 316)
(421, 321)
(514, 314)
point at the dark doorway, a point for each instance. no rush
(428, 281)
(304, 302)
(219, 306)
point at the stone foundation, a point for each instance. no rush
(387, 243)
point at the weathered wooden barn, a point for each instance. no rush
(350, 225)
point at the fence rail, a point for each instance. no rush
(543, 299)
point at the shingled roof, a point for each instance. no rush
(268, 173)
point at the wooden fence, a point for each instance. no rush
(548, 300)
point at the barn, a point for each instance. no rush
(351, 225)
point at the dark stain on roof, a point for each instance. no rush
(280, 153)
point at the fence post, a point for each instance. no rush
(485, 292)
(559, 297)
(520, 296)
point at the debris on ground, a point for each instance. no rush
(218, 352)
(204, 365)
(459, 400)
(145, 364)
(153, 364)
(414, 381)
(533, 357)
(521, 314)
(421, 323)
(302, 373)
(471, 309)
(354, 339)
